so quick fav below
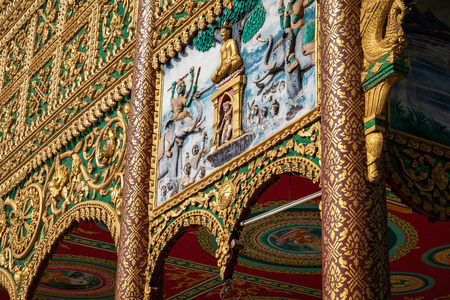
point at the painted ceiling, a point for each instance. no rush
(281, 258)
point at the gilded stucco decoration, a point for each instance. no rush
(7, 282)
(59, 196)
(383, 44)
(65, 84)
(25, 218)
(419, 171)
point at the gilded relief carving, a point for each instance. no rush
(241, 86)
(74, 7)
(94, 168)
(54, 91)
(47, 19)
(419, 172)
(16, 54)
(74, 60)
(118, 23)
(25, 218)
(229, 195)
(383, 43)
(8, 115)
(39, 97)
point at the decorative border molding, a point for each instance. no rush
(7, 282)
(206, 210)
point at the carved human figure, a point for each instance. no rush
(274, 110)
(263, 119)
(230, 58)
(187, 180)
(197, 153)
(225, 128)
(252, 114)
(184, 97)
(291, 17)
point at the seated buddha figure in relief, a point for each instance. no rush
(230, 59)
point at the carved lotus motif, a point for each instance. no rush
(59, 180)
(440, 177)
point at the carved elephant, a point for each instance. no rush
(172, 140)
(276, 59)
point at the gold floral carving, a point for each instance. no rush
(55, 113)
(54, 86)
(56, 190)
(27, 206)
(225, 195)
(74, 127)
(422, 167)
(163, 235)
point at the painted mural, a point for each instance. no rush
(236, 84)
(70, 280)
(420, 104)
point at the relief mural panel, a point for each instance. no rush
(247, 75)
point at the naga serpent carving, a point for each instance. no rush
(383, 43)
(381, 28)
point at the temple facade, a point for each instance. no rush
(224, 149)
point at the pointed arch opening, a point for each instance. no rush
(58, 263)
(280, 254)
(178, 266)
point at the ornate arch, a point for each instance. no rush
(228, 199)
(7, 282)
(87, 211)
(163, 240)
(297, 165)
